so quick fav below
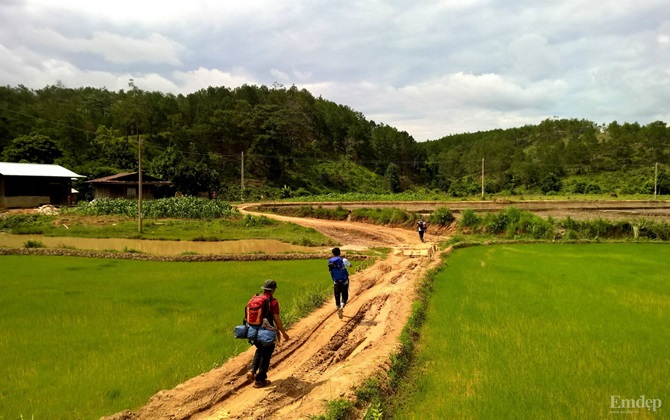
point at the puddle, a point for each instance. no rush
(267, 246)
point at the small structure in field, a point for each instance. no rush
(27, 185)
(126, 185)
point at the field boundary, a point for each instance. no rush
(179, 258)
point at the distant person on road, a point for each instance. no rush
(259, 367)
(338, 272)
(422, 226)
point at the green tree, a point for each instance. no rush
(34, 148)
(115, 151)
(190, 175)
(392, 176)
(550, 183)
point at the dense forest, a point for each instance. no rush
(290, 143)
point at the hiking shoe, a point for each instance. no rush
(251, 375)
(343, 304)
(339, 312)
(261, 384)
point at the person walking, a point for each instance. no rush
(422, 226)
(338, 272)
(261, 362)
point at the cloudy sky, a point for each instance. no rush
(430, 68)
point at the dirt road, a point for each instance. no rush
(326, 357)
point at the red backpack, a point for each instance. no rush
(257, 309)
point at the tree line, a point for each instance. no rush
(298, 144)
(556, 155)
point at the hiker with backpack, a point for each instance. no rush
(422, 226)
(338, 272)
(262, 313)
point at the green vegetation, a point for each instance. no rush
(381, 216)
(33, 244)
(512, 223)
(175, 207)
(385, 216)
(231, 228)
(555, 157)
(319, 212)
(418, 195)
(542, 331)
(441, 216)
(335, 410)
(67, 322)
(297, 145)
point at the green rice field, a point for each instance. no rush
(83, 338)
(545, 332)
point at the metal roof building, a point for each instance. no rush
(25, 185)
(125, 185)
(36, 169)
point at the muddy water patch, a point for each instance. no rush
(268, 246)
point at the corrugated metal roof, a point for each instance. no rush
(36, 169)
(129, 178)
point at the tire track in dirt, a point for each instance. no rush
(326, 357)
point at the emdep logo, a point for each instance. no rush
(618, 403)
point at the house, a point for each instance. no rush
(125, 185)
(26, 185)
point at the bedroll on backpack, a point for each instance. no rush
(256, 310)
(338, 271)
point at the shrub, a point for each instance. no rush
(495, 222)
(568, 223)
(579, 187)
(257, 221)
(654, 230)
(384, 216)
(469, 219)
(33, 244)
(441, 216)
(571, 235)
(550, 183)
(593, 189)
(24, 224)
(542, 229)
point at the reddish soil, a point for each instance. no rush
(325, 357)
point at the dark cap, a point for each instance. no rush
(269, 285)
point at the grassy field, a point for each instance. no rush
(221, 229)
(82, 338)
(544, 331)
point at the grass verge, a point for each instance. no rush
(542, 331)
(231, 228)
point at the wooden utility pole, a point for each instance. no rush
(482, 178)
(139, 183)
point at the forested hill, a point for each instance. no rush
(289, 138)
(296, 144)
(555, 156)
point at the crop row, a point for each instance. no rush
(179, 207)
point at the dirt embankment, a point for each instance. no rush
(326, 357)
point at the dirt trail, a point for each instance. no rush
(326, 357)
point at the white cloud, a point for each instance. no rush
(280, 76)
(533, 56)
(202, 78)
(429, 68)
(153, 49)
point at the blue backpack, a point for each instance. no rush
(337, 270)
